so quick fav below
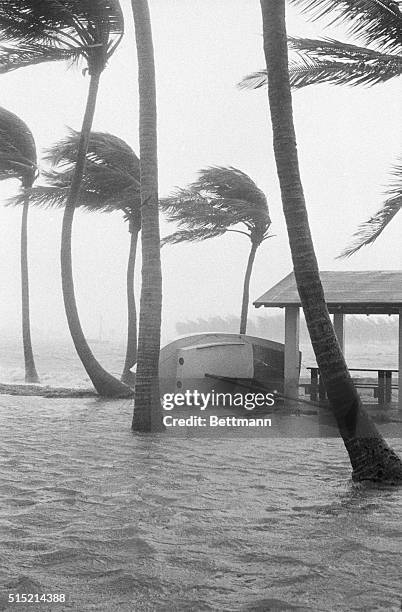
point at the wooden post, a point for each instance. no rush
(400, 362)
(339, 326)
(314, 384)
(381, 387)
(292, 320)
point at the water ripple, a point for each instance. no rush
(157, 523)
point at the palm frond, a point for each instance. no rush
(308, 71)
(192, 235)
(372, 21)
(221, 198)
(90, 28)
(110, 181)
(41, 197)
(331, 61)
(21, 55)
(17, 149)
(371, 229)
(229, 183)
(45, 196)
(338, 63)
(104, 150)
(254, 80)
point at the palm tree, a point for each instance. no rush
(79, 29)
(221, 199)
(147, 409)
(110, 182)
(370, 456)
(376, 22)
(18, 160)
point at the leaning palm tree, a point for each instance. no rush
(370, 456)
(110, 183)
(18, 160)
(220, 201)
(375, 22)
(147, 409)
(77, 29)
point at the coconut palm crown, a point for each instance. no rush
(18, 150)
(50, 30)
(221, 200)
(110, 181)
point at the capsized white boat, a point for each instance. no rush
(207, 361)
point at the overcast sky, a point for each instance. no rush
(347, 139)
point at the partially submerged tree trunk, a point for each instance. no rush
(147, 408)
(246, 288)
(128, 376)
(370, 456)
(31, 375)
(105, 384)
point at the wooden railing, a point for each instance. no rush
(382, 389)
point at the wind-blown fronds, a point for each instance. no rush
(17, 149)
(332, 61)
(104, 150)
(377, 22)
(370, 230)
(339, 63)
(254, 80)
(219, 200)
(110, 181)
(193, 235)
(46, 28)
(21, 55)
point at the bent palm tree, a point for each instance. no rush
(18, 160)
(147, 409)
(79, 29)
(377, 22)
(370, 456)
(220, 200)
(110, 182)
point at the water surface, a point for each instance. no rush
(126, 522)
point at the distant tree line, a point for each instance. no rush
(359, 329)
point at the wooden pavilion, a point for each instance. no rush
(369, 292)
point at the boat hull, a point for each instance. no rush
(222, 362)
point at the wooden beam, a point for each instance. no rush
(292, 323)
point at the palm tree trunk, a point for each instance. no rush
(31, 375)
(128, 376)
(246, 288)
(370, 456)
(105, 384)
(147, 409)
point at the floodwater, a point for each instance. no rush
(126, 522)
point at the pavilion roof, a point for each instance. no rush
(362, 292)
